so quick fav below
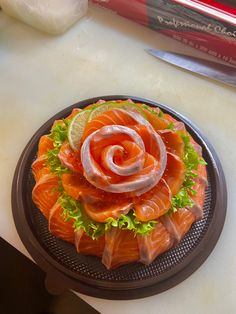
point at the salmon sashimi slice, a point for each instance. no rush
(148, 177)
(152, 140)
(70, 158)
(73, 113)
(39, 167)
(121, 247)
(118, 149)
(110, 117)
(45, 193)
(97, 204)
(100, 142)
(158, 123)
(62, 122)
(87, 246)
(200, 188)
(58, 226)
(154, 203)
(169, 118)
(202, 174)
(173, 142)
(58, 122)
(45, 144)
(113, 117)
(174, 173)
(138, 183)
(100, 211)
(154, 244)
(132, 161)
(77, 186)
(177, 125)
(196, 146)
(201, 170)
(178, 223)
(74, 184)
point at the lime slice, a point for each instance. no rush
(113, 104)
(76, 128)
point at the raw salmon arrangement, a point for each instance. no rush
(120, 180)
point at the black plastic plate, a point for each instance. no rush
(66, 269)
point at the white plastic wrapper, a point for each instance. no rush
(52, 16)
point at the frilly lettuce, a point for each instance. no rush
(73, 209)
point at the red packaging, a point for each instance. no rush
(208, 25)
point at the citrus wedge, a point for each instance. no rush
(113, 104)
(76, 128)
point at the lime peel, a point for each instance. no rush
(100, 109)
(76, 128)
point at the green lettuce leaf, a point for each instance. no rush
(73, 209)
(54, 162)
(154, 112)
(191, 160)
(130, 222)
(58, 134)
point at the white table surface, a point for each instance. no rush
(104, 54)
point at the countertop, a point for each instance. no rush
(104, 54)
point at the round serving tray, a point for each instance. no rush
(66, 269)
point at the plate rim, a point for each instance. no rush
(48, 263)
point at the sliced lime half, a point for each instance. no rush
(113, 104)
(76, 128)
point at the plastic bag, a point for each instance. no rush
(52, 16)
(209, 26)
